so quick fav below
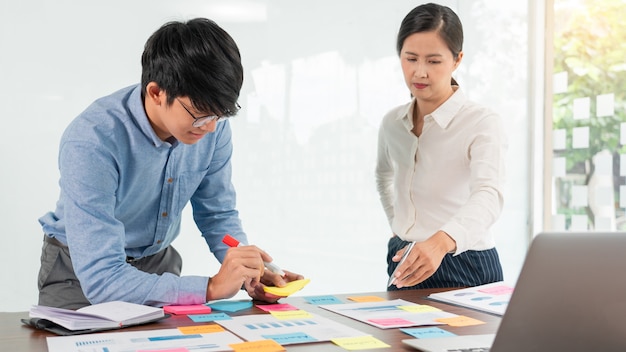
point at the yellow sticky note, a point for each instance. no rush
(258, 346)
(460, 320)
(290, 288)
(422, 308)
(290, 314)
(200, 329)
(366, 299)
(359, 343)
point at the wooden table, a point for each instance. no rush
(16, 337)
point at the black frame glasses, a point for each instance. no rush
(203, 120)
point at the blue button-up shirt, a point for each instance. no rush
(122, 193)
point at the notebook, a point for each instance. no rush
(570, 296)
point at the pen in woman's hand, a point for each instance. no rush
(392, 278)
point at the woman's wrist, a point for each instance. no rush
(446, 241)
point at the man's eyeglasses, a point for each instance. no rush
(203, 120)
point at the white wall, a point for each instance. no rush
(318, 78)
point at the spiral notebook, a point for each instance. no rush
(93, 318)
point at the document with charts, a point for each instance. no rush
(305, 329)
(396, 313)
(491, 298)
(203, 338)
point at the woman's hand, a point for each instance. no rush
(424, 259)
(255, 289)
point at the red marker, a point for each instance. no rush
(232, 242)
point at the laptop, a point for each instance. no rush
(570, 296)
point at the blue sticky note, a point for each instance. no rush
(296, 337)
(203, 318)
(427, 333)
(230, 306)
(319, 300)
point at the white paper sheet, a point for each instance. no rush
(288, 331)
(396, 313)
(148, 340)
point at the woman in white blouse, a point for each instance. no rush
(440, 167)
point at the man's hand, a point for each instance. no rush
(241, 265)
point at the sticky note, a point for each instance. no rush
(498, 290)
(427, 333)
(258, 346)
(193, 309)
(390, 321)
(203, 318)
(289, 289)
(276, 307)
(581, 108)
(291, 314)
(580, 137)
(319, 300)
(605, 105)
(460, 320)
(200, 329)
(286, 339)
(230, 306)
(366, 299)
(359, 343)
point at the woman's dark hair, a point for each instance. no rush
(196, 59)
(433, 18)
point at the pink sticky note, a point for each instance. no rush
(497, 290)
(193, 309)
(276, 307)
(391, 322)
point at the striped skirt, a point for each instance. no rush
(470, 268)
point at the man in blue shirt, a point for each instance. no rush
(130, 163)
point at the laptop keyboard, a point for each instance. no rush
(476, 349)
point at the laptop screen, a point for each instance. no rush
(570, 295)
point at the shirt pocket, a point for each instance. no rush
(188, 183)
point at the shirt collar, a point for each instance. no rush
(135, 105)
(443, 115)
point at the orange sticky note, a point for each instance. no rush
(460, 320)
(200, 329)
(258, 346)
(366, 299)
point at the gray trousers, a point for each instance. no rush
(59, 286)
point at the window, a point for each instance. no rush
(588, 116)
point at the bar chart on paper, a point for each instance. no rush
(492, 298)
(288, 331)
(205, 338)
